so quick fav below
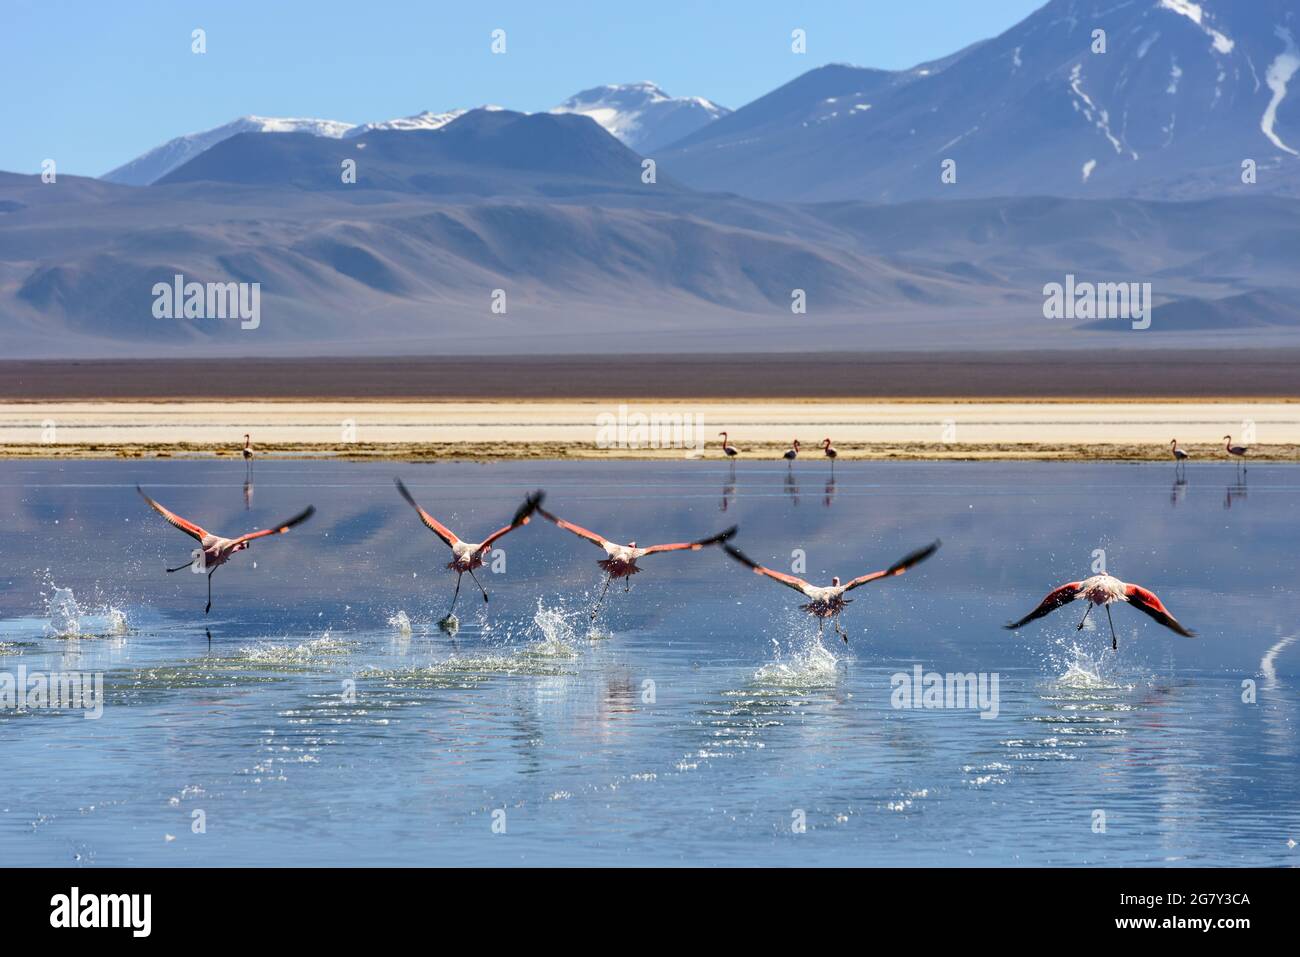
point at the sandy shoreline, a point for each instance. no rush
(649, 429)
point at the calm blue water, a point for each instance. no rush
(701, 720)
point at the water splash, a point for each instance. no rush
(67, 617)
(317, 650)
(117, 624)
(400, 623)
(1076, 667)
(803, 662)
(1082, 674)
(63, 612)
(556, 632)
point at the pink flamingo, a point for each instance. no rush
(1179, 455)
(467, 556)
(828, 601)
(792, 452)
(729, 450)
(1104, 590)
(215, 551)
(621, 560)
(829, 451)
(1237, 452)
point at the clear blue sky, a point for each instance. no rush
(93, 83)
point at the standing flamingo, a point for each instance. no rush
(1237, 452)
(828, 601)
(621, 560)
(467, 556)
(829, 451)
(792, 452)
(214, 550)
(729, 450)
(248, 453)
(1104, 590)
(1179, 455)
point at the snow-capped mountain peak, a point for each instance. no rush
(161, 160)
(641, 114)
(427, 120)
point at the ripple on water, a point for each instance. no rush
(465, 671)
(317, 651)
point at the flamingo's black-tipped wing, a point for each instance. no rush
(439, 529)
(790, 581)
(694, 546)
(523, 516)
(1054, 600)
(1147, 603)
(900, 566)
(280, 529)
(576, 529)
(186, 526)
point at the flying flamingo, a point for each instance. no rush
(621, 560)
(1237, 452)
(1104, 590)
(828, 601)
(728, 449)
(1179, 455)
(467, 556)
(829, 451)
(214, 550)
(792, 452)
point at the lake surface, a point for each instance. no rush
(319, 715)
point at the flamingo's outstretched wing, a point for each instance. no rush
(696, 545)
(439, 529)
(1054, 600)
(900, 566)
(790, 581)
(186, 526)
(1147, 603)
(280, 529)
(576, 529)
(522, 517)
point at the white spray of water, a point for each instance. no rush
(802, 662)
(66, 617)
(322, 649)
(63, 612)
(400, 623)
(556, 632)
